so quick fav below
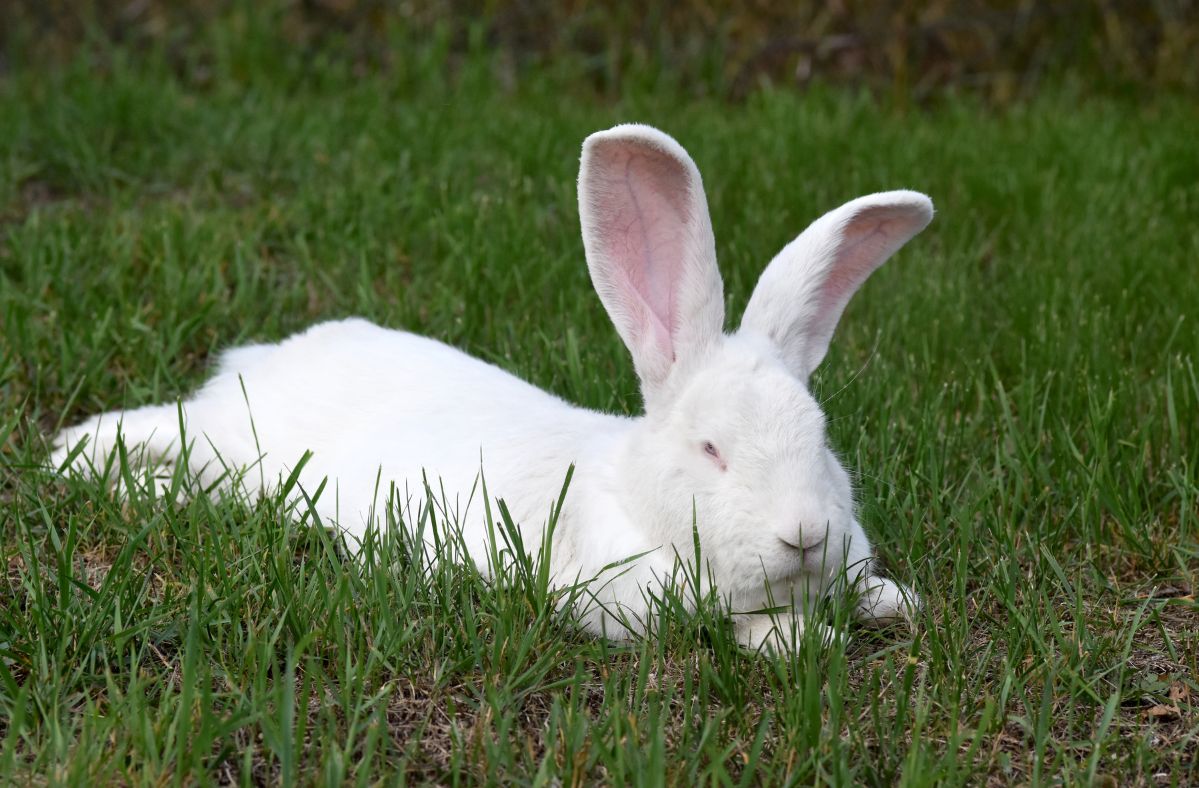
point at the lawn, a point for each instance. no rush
(1016, 392)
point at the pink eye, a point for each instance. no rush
(713, 452)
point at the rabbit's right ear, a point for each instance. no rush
(650, 249)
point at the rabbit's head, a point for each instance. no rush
(732, 439)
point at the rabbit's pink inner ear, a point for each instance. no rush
(866, 241)
(641, 220)
(804, 290)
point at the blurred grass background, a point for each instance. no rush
(1001, 51)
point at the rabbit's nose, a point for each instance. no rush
(813, 536)
(806, 536)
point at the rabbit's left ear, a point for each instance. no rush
(804, 290)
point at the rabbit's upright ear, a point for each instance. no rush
(650, 249)
(804, 290)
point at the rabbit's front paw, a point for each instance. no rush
(781, 634)
(884, 601)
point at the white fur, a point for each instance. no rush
(731, 441)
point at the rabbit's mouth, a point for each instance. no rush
(805, 559)
(800, 559)
(814, 550)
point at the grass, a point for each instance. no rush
(1017, 391)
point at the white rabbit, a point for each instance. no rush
(732, 443)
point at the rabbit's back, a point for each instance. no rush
(376, 406)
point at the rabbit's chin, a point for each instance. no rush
(784, 584)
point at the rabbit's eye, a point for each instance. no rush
(713, 452)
